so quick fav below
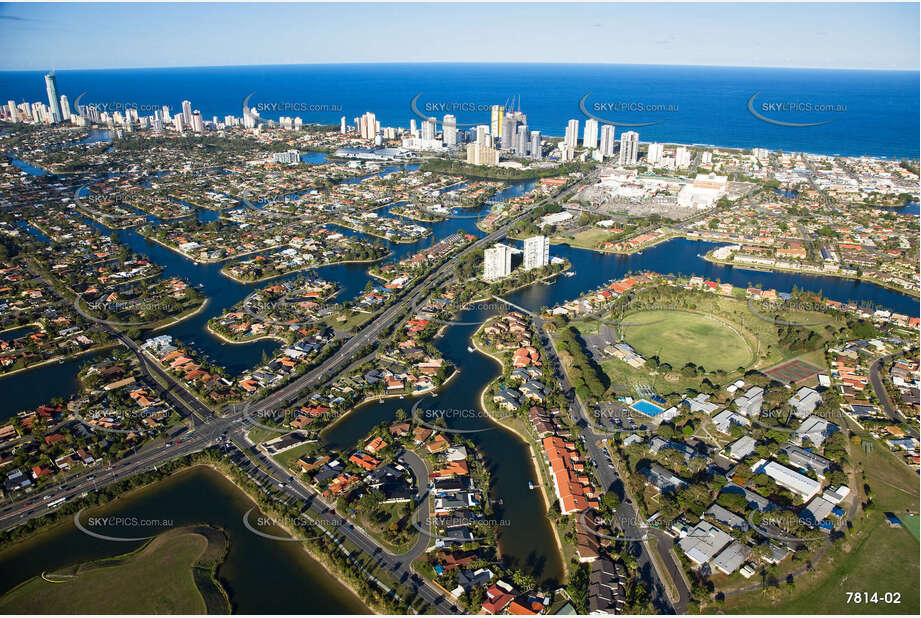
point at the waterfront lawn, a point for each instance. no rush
(678, 338)
(156, 580)
(390, 524)
(590, 238)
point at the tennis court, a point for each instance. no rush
(794, 371)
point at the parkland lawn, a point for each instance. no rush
(158, 579)
(681, 337)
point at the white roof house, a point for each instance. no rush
(805, 401)
(731, 558)
(799, 484)
(704, 542)
(742, 448)
(724, 419)
(700, 403)
(749, 404)
(816, 429)
(818, 509)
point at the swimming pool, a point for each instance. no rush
(647, 407)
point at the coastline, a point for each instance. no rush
(182, 253)
(60, 359)
(232, 342)
(181, 318)
(399, 241)
(319, 558)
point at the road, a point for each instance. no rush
(631, 524)
(879, 388)
(272, 474)
(368, 334)
(210, 428)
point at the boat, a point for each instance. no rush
(531, 485)
(569, 273)
(470, 348)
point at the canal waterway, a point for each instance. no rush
(527, 541)
(261, 576)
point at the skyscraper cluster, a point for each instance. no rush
(513, 132)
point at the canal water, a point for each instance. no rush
(527, 542)
(261, 576)
(29, 389)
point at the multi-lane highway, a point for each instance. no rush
(211, 429)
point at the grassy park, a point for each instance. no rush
(681, 337)
(172, 574)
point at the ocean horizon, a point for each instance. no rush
(850, 112)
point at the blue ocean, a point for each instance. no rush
(873, 113)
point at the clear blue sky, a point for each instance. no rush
(84, 36)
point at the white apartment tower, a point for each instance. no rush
(607, 140)
(629, 146)
(654, 156)
(428, 129)
(682, 157)
(590, 134)
(483, 138)
(449, 130)
(497, 262)
(368, 125)
(536, 252)
(572, 134)
(65, 108)
(535, 148)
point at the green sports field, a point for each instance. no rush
(681, 337)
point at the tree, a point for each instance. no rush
(524, 581)
(578, 589)
(610, 500)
